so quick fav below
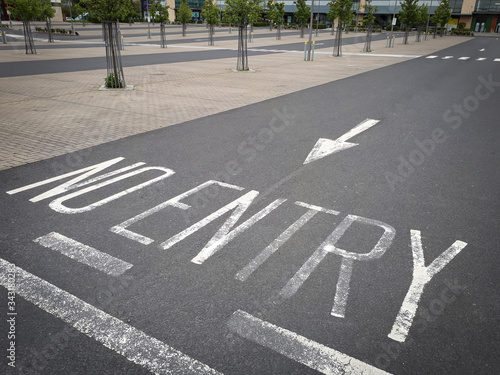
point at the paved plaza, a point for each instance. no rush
(50, 111)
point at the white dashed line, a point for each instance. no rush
(481, 59)
(114, 334)
(84, 254)
(446, 57)
(496, 60)
(464, 58)
(431, 57)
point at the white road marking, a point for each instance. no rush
(173, 202)
(317, 208)
(93, 169)
(281, 239)
(481, 59)
(421, 277)
(114, 334)
(84, 254)
(328, 246)
(446, 57)
(481, 50)
(298, 348)
(496, 60)
(325, 146)
(431, 57)
(224, 235)
(57, 204)
(464, 58)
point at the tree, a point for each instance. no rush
(160, 14)
(408, 16)
(255, 13)
(422, 16)
(184, 15)
(368, 21)
(341, 9)
(271, 13)
(280, 13)
(238, 12)
(442, 15)
(108, 12)
(302, 15)
(46, 12)
(27, 11)
(210, 12)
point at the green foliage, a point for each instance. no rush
(107, 10)
(442, 14)
(256, 11)
(210, 12)
(240, 12)
(370, 10)
(423, 15)
(184, 14)
(341, 9)
(303, 13)
(280, 13)
(28, 10)
(159, 12)
(271, 11)
(112, 82)
(409, 14)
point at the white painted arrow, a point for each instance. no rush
(325, 146)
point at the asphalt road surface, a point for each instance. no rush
(224, 253)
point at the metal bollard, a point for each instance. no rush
(4, 40)
(312, 57)
(123, 44)
(305, 50)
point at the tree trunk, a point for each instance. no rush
(407, 32)
(270, 25)
(184, 26)
(28, 39)
(49, 29)
(368, 42)
(278, 30)
(301, 30)
(337, 48)
(242, 63)
(163, 39)
(211, 32)
(115, 77)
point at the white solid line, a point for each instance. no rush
(481, 59)
(114, 334)
(298, 348)
(464, 58)
(431, 57)
(84, 254)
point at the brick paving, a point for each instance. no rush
(47, 115)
